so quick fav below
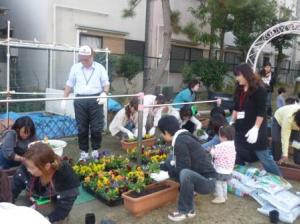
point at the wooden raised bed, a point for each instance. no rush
(290, 171)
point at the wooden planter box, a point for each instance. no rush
(167, 192)
(290, 171)
(146, 142)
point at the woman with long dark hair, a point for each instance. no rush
(249, 116)
(15, 141)
(125, 121)
(269, 81)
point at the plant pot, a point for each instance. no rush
(290, 171)
(129, 145)
(296, 156)
(163, 193)
(110, 203)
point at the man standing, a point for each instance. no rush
(88, 78)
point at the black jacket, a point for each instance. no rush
(189, 154)
(254, 105)
(270, 87)
(65, 190)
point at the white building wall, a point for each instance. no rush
(29, 21)
(55, 21)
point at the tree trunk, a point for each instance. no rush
(211, 45)
(222, 36)
(125, 84)
(280, 56)
(157, 74)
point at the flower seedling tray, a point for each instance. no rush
(109, 203)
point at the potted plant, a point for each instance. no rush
(152, 196)
(148, 141)
(156, 153)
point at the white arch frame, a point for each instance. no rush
(289, 27)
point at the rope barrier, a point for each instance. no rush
(65, 98)
(174, 104)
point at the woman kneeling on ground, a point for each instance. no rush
(45, 175)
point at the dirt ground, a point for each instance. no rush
(235, 211)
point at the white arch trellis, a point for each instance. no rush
(289, 27)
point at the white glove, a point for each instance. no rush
(204, 136)
(135, 133)
(231, 122)
(130, 134)
(63, 104)
(219, 102)
(252, 135)
(196, 122)
(162, 175)
(102, 98)
(152, 131)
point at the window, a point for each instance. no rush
(183, 55)
(134, 47)
(96, 42)
(232, 59)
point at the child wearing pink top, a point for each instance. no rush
(223, 160)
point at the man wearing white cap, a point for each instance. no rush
(88, 78)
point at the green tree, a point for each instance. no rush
(128, 66)
(284, 41)
(211, 72)
(214, 13)
(150, 80)
(251, 18)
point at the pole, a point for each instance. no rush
(8, 71)
(147, 44)
(140, 127)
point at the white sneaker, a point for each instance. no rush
(178, 216)
(95, 154)
(83, 156)
(219, 200)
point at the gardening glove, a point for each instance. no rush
(63, 104)
(136, 132)
(204, 136)
(152, 131)
(102, 98)
(196, 122)
(252, 135)
(219, 102)
(162, 175)
(128, 132)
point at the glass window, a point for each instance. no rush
(232, 59)
(134, 47)
(183, 55)
(96, 42)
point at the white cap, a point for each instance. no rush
(85, 50)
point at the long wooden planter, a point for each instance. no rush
(129, 145)
(141, 205)
(290, 171)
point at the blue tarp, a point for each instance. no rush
(50, 125)
(114, 105)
